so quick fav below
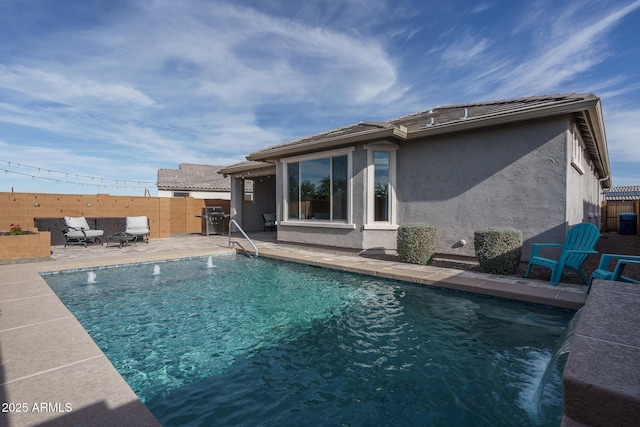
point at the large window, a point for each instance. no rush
(317, 189)
(381, 176)
(381, 182)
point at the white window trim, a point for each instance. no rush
(348, 151)
(577, 152)
(370, 223)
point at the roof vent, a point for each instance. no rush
(428, 124)
(466, 113)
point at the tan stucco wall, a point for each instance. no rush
(167, 216)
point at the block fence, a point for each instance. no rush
(167, 215)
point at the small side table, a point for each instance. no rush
(122, 239)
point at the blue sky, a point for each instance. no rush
(96, 96)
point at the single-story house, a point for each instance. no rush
(538, 164)
(197, 181)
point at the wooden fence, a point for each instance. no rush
(612, 209)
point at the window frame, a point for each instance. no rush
(348, 223)
(369, 218)
(577, 152)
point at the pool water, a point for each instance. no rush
(236, 341)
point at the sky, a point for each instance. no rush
(97, 95)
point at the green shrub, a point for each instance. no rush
(416, 243)
(498, 249)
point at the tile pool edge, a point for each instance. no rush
(34, 325)
(53, 369)
(30, 287)
(513, 288)
(601, 377)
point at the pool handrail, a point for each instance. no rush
(255, 248)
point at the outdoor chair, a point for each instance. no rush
(579, 244)
(138, 226)
(78, 232)
(269, 221)
(603, 273)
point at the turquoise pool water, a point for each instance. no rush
(236, 341)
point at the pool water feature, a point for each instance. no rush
(233, 341)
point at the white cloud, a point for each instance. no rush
(570, 48)
(53, 87)
(623, 133)
(464, 51)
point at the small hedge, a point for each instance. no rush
(416, 243)
(498, 249)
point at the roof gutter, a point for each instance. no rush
(533, 112)
(597, 124)
(275, 153)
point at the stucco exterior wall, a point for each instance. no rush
(507, 176)
(502, 176)
(584, 193)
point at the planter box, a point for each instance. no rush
(20, 246)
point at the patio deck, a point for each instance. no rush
(54, 374)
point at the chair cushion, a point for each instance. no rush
(79, 222)
(137, 225)
(89, 234)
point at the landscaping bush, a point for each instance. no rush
(498, 249)
(416, 243)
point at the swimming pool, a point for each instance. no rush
(231, 341)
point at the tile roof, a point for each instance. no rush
(437, 120)
(623, 193)
(433, 118)
(193, 177)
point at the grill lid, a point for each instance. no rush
(211, 210)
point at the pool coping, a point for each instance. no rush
(53, 372)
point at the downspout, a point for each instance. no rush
(600, 213)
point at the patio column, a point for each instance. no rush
(237, 197)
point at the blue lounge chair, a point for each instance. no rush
(580, 243)
(603, 273)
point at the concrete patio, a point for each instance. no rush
(54, 374)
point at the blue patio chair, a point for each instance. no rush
(603, 273)
(579, 244)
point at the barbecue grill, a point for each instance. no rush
(212, 220)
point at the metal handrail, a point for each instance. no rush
(255, 248)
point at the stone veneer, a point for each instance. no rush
(19, 246)
(602, 376)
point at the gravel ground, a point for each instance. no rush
(609, 243)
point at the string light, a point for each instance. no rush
(135, 184)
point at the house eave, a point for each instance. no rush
(275, 153)
(249, 169)
(595, 137)
(586, 111)
(486, 120)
